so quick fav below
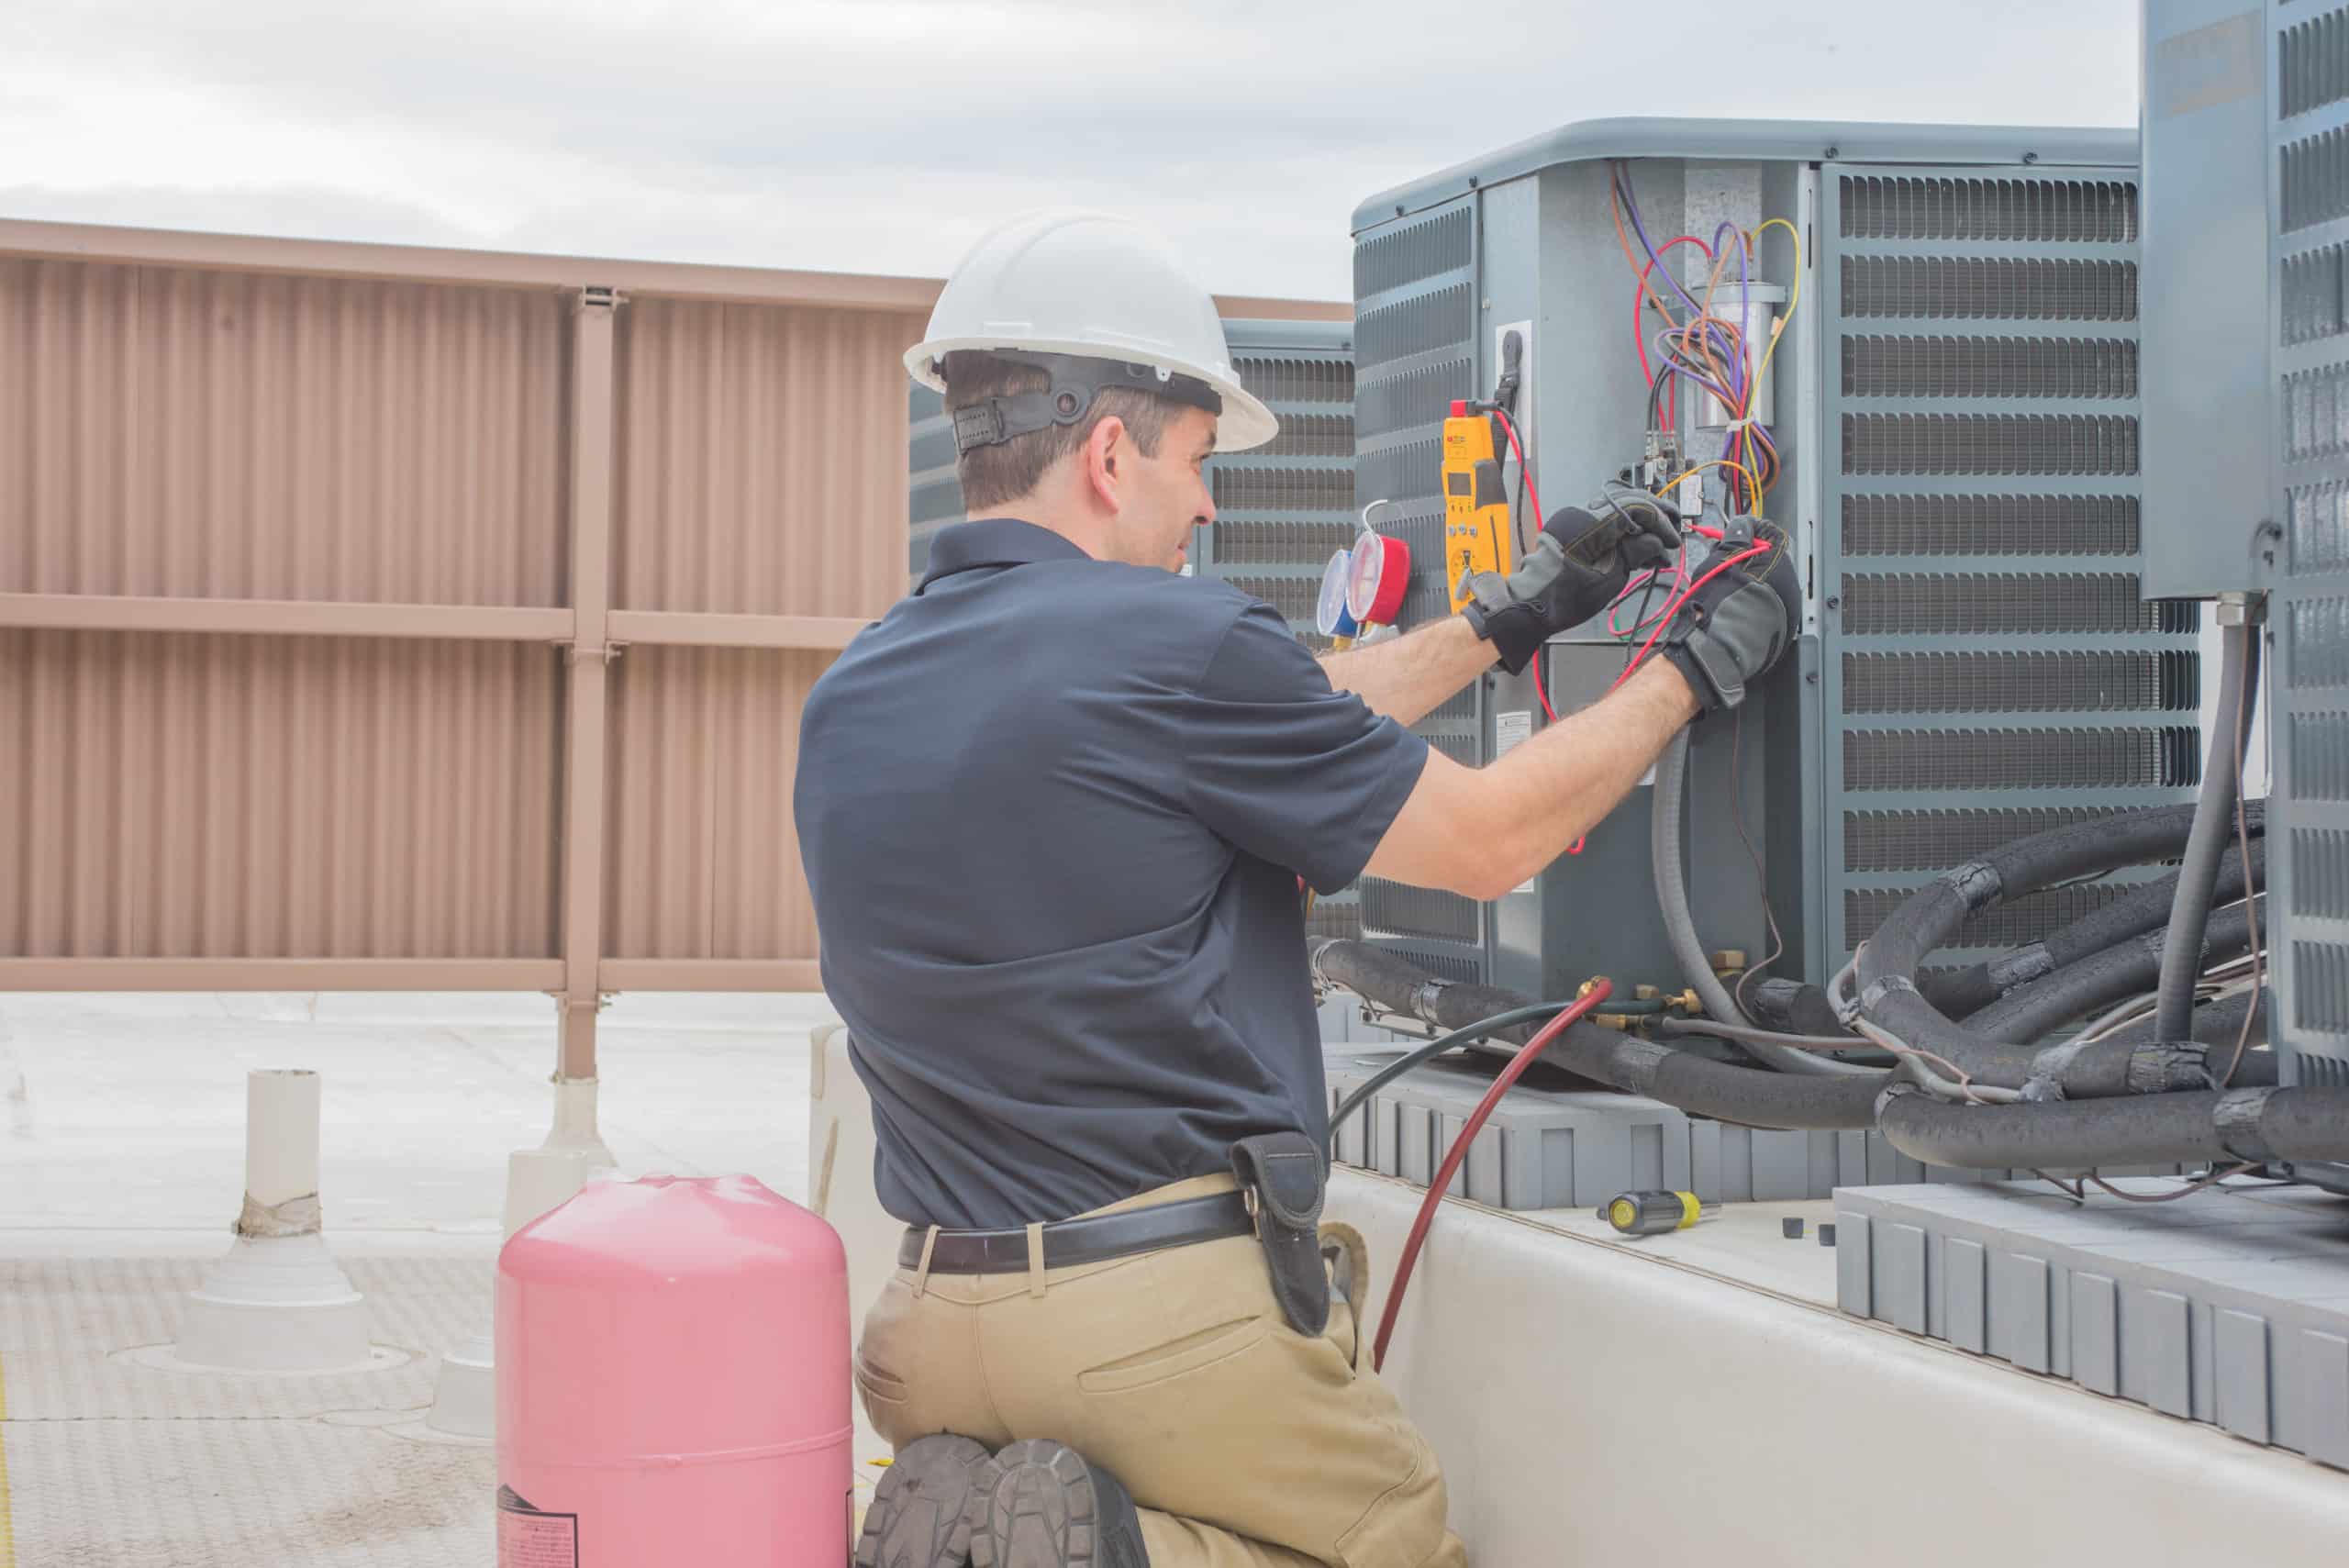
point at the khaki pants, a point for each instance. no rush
(1244, 1443)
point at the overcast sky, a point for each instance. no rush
(885, 135)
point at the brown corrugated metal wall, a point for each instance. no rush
(335, 581)
(224, 435)
(339, 582)
(165, 795)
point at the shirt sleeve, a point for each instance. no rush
(1285, 767)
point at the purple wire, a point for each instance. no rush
(1631, 204)
(1745, 303)
(1746, 288)
(1744, 330)
(1673, 367)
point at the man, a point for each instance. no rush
(1055, 808)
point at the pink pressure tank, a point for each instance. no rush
(672, 1381)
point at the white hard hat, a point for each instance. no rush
(1093, 287)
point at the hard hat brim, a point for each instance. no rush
(1245, 422)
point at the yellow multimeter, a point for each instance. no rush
(1475, 503)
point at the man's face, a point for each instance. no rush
(1165, 497)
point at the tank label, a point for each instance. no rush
(532, 1538)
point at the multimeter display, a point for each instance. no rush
(1475, 505)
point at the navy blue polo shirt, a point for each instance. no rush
(1053, 812)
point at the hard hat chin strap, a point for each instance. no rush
(1076, 382)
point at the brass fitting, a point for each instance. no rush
(1686, 1002)
(1645, 993)
(1611, 1020)
(1729, 961)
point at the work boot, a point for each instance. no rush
(922, 1510)
(1041, 1505)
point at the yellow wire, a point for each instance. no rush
(1777, 329)
(1754, 487)
(1751, 487)
(1794, 304)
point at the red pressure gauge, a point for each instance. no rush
(1331, 617)
(1382, 569)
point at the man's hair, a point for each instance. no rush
(994, 475)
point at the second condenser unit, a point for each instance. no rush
(2246, 142)
(1947, 428)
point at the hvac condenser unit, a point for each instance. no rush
(1953, 402)
(2246, 147)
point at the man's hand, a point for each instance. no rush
(1577, 568)
(1732, 629)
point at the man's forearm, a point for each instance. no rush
(1409, 677)
(1563, 782)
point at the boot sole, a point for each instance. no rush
(922, 1511)
(1036, 1506)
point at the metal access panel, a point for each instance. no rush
(2306, 112)
(2207, 333)
(1956, 404)
(1991, 666)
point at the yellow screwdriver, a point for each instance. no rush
(1654, 1211)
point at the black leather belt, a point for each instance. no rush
(1097, 1239)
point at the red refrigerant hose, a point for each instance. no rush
(1600, 989)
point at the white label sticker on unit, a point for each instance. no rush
(1510, 730)
(1692, 495)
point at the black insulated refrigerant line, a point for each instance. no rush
(1929, 919)
(2213, 822)
(2104, 978)
(1680, 925)
(1751, 1096)
(2256, 1123)
(1963, 992)
(2253, 1126)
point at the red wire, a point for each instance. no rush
(1638, 582)
(1540, 689)
(1663, 618)
(1639, 332)
(1523, 467)
(1682, 598)
(1639, 294)
(1599, 991)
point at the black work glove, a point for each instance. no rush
(1730, 631)
(1577, 568)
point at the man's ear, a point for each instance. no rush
(1100, 458)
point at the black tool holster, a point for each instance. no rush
(1285, 1179)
